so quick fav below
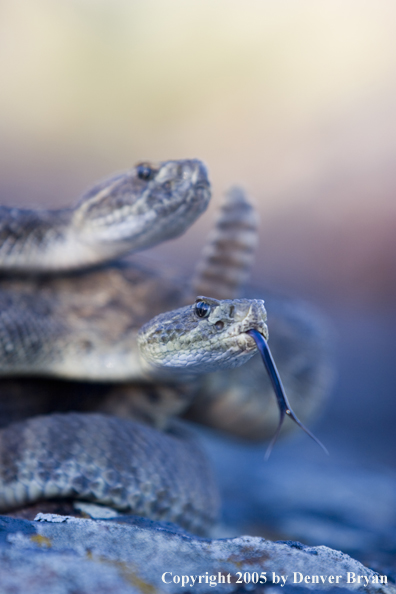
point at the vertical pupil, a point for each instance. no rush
(202, 309)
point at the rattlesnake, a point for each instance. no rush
(84, 324)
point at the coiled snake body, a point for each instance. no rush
(106, 324)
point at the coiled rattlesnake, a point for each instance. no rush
(84, 324)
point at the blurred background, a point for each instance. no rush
(294, 100)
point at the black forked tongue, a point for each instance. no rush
(283, 403)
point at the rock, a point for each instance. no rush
(66, 555)
(338, 500)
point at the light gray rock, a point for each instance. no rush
(64, 555)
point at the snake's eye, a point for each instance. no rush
(202, 309)
(144, 171)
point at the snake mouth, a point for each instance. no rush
(251, 333)
(280, 393)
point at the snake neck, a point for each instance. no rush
(169, 375)
(36, 239)
(46, 240)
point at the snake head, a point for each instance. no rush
(149, 204)
(212, 335)
(203, 337)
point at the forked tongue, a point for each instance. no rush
(283, 403)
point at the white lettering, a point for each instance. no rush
(163, 577)
(383, 578)
(351, 577)
(298, 577)
(275, 579)
(323, 578)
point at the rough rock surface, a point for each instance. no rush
(64, 555)
(300, 494)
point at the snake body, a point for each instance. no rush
(123, 464)
(108, 324)
(126, 465)
(82, 325)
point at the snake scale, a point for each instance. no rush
(119, 463)
(66, 314)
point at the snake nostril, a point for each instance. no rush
(219, 325)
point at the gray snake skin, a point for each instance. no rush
(119, 463)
